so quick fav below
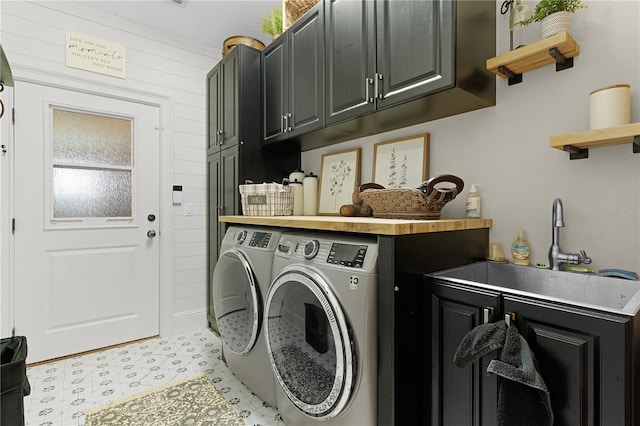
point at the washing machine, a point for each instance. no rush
(240, 282)
(321, 329)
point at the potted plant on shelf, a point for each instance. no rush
(272, 23)
(554, 15)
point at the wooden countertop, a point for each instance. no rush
(362, 225)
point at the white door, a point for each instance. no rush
(86, 219)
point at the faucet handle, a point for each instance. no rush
(584, 258)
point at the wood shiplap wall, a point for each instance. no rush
(157, 65)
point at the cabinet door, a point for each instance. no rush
(214, 90)
(583, 357)
(466, 396)
(229, 191)
(414, 47)
(229, 97)
(214, 236)
(306, 73)
(350, 58)
(273, 84)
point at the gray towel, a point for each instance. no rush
(523, 397)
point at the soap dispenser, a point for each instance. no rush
(473, 202)
(521, 250)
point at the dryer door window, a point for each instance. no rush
(237, 302)
(310, 344)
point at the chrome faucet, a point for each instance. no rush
(556, 257)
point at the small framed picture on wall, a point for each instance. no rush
(401, 163)
(339, 175)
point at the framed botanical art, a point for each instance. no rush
(339, 175)
(401, 163)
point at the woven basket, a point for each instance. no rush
(292, 10)
(425, 202)
(233, 41)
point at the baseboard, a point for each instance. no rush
(183, 322)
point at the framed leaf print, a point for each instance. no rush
(401, 163)
(339, 175)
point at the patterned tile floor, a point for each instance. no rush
(62, 390)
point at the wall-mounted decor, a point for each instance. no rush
(339, 175)
(401, 163)
(89, 53)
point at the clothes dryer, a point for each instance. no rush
(321, 329)
(240, 282)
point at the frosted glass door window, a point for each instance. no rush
(92, 165)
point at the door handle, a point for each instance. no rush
(288, 124)
(282, 125)
(487, 314)
(367, 83)
(377, 91)
(221, 138)
(151, 233)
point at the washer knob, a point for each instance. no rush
(311, 249)
(242, 235)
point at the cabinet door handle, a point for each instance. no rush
(509, 317)
(288, 124)
(487, 314)
(282, 125)
(378, 93)
(221, 136)
(367, 83)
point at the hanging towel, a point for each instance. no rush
(523, 397)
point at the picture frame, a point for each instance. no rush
(401, 163)
(339, 176)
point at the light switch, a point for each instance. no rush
(188, 209)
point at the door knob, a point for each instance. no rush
(151, 233)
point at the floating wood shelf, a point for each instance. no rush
(559, 49)
(578, 144)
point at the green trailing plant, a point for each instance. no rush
(272, 23)
(547, 7)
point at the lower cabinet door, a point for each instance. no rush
(466, 396)
(583, 357)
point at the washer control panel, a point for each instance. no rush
(260, 239)
(347, 254)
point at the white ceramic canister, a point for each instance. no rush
(296, 175)
(310, 186)
(610, 106)
(298, 197)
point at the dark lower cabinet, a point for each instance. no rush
(461, 396)
(586, 358)
(589, 359)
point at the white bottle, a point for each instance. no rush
(298, 197)
(473, 202)
(310, 186)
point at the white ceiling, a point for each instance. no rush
(206, 21)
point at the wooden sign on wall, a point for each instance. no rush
(95, 55)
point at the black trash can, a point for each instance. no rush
(14, 385)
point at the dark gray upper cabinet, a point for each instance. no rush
(392, 64)
(350, 35)
(383, 53)
(293, 79)
(229, 85)
(414, 49)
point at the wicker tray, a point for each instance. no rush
(425, 202)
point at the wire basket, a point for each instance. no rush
(425, 202)
(266, 199)
(292, 10)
